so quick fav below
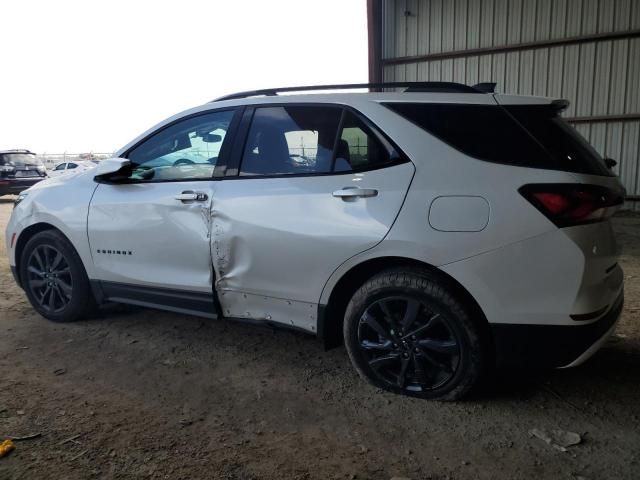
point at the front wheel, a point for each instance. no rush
(407, 334)
(54, 278)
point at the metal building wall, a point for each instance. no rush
(587, 51)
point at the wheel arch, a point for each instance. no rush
(331, 314)
(26, 235)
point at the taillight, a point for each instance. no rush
(568, 204)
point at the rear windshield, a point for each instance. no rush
(568, 149)
(522, 135)
(19, 159)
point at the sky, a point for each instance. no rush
(84, 76)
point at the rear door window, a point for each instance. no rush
(308, 140)
(290, 140)
(523, 135)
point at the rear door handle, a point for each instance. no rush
(351, 192)
(191, 196)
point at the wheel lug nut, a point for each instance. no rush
(416, 350)
(413, 337)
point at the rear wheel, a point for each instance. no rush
(54, 278)
(407, 334)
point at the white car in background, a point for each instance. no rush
(435, 231)
(69, 167)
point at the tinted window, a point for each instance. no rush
(72, 165)
(525, 135)
(359, 148)
(61, 166)
(20, 159)
(186, 150)
(486, 132)
(290, 140)
(569, 150)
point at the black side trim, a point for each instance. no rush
(330, 333)
(96, 288)
(610, 269)
(545, 346)
(583, 317)
(260, 322)
(181, 301)
(16, 277)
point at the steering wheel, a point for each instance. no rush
(183, 161)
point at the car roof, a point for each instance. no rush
(415, 92)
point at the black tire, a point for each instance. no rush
(443, 359)
(54, 278)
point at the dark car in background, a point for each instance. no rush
(19, 169)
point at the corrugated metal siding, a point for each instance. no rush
(598, 77)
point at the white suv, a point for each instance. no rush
(436, 231)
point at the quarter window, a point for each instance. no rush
(359, 148)
(290, 140)
(186, 150)
(486, 132)
(523, 135)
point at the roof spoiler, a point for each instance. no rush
(560, 105)
(486, 87)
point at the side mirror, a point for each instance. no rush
(610, 162)
(112, 170)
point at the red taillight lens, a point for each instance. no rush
(573, 203)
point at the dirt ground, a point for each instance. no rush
(137, 393)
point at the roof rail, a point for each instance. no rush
(441, 87)
(16, 150)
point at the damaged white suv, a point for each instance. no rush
(436, 231)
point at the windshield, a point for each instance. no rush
(20, 159)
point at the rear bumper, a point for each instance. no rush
(545, 346)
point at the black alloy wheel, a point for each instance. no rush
(407, 332)
(49, 278)
(407, 344)
(54, 278)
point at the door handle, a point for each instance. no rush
(352, 192)
(191, 196)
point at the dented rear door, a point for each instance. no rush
(276, 241)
